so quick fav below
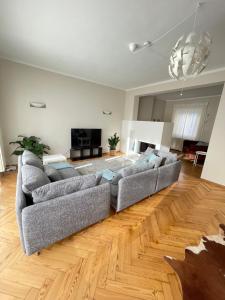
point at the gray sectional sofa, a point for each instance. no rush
(134, 188)
(53, 204)
(45, 222)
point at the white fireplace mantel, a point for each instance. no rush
(134, 132)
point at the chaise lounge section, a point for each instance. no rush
(44, 223)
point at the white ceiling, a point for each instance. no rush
(88, 39)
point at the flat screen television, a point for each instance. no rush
(85, 137)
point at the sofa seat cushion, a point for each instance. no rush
(32, 178)
(29, 158)
(63, 187)
(56, 175)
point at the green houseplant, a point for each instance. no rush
(113, 141)
(31, 143)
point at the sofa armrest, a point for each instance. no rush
(50, 221)
(135, 188)
(168, 174)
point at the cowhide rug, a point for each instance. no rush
(202, 273)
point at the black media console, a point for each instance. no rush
(85, 152)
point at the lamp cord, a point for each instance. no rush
(178, 24)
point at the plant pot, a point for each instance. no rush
(112, 152)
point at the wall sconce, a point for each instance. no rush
(37, 104)
(107, 112)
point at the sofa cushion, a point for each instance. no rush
(150, 158)
(137, 168)
(32, 178)
(52, 173)
(63, 187)
(68, 173)
(167, 157)
(147, 152)
(29, 158)
(55, 175)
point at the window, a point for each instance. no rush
(188, 121)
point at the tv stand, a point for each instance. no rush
(79, 153)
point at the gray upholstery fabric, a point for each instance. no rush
(147, 152)
(157, 162)
(20, 200)
(167, 175)
(29, 158)
(68, 173)
(168, 157)
(56, 175)
(137, 168)
(135, 188)
(51, 221)
(32, 178)
(63, 187)
(117, 177)
(52, 173)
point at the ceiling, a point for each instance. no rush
(89, 39)
(189, 94)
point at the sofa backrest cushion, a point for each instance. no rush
(63, 187)
(29, 158)
(167, 157)
(138, 167)
(151, 157)
(32, 178)
(52, 173)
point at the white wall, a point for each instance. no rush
(157, 133)
(145, 108)
(70, 103)
(212, 106)
(214, 167)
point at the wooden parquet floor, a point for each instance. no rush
(118, 259)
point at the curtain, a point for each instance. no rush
(188, 122)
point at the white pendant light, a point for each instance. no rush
(190, 54)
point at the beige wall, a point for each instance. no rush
(145, 108)
(70, 103)
(158, 110)
(214, 167)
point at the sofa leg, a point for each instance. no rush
(38, 253)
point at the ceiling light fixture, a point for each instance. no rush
(134, 47)
(190, 54)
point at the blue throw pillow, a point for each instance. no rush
(150, 157)
(108, 174)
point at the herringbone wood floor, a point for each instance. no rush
(120, 258)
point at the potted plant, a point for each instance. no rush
(113, 141)
(31, 143)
